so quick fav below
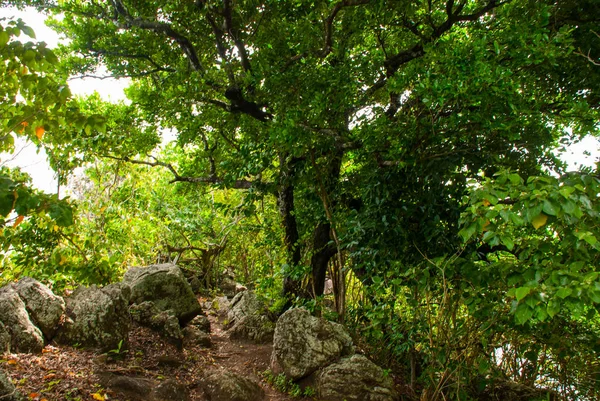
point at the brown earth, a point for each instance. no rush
(68, 373)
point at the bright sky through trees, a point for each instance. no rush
(33, 161)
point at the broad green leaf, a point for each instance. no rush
(522, 292)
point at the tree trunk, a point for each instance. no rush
(285, 201)
(324, 250)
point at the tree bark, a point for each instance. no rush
(285, 201)
(324, 250)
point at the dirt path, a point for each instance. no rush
(65, 373)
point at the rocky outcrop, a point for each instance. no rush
(4, 339)
(219, 306)
(220, 385)
(165, 322)
(248, 319)
(355, 378)
(8, 392)
(507, 390)
(24, 335)
(201, 322)
(302, 344)
(45, 309)
(97, 317)
(143, 389)
(192, 335)
(166, 287)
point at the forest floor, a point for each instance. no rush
(66, 373)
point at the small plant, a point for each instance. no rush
(285, 385)
(117, 353)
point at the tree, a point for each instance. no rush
(331, 105)
(368, 121)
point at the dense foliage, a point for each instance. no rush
(405, 148)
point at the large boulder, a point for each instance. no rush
(166, 287)
(45, 309)
(97, 317)
(164, 322)
(221, 385)
(248, 319)
(25, 336)
(303, 344)
(355, 379)
(8, 392)
(4, 339)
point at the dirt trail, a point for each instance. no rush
(62, 373)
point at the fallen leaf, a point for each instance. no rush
(33, 395)
(98, 396)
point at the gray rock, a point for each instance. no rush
(218, 306)
(165, 322)
(244, 304)
(303, 344)
(355, 378)
(506, 390)
(192, 335)
(45, 309)
(220, 385)
(134, 388)
(25, 336)
(97, 317)
(201, 322)
(248, 319)
(170, 390)
(4, 339)
(256, 328)
(166, 287)
(8, 391)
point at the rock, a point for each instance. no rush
(4, 339)
(355, 378)
(134, 388)
(218, 306)
(248, 319)
(303, 344)
(170, 390)
(45, 309)
(166, 287)
(244, 304)
(507, 390)
(201, 322)
(255, 328)
(192, 335)
(220, 385)
(165, 322)
(24, 335)
(97, 317)
(8, 391)
(169, 360)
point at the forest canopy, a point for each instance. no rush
(407, 150)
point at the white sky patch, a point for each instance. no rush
(26, 155)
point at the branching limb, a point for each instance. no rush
(159, 27)
(327, 47)
(238, 184)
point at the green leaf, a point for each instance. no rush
(522, 292)
(564, 292)
(523, 314)
(553, 308)
(549, 208)
(467, 232)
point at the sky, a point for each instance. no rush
(34, 162)
(27, 156)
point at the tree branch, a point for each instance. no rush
(327, 47)
(238, 184)
(158, 27)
